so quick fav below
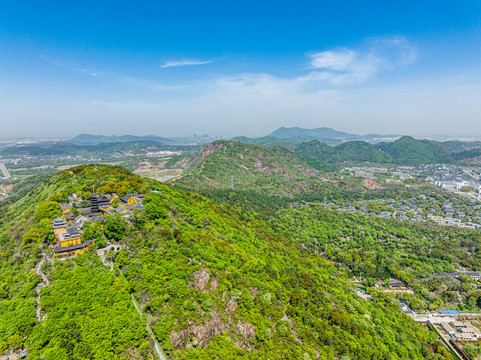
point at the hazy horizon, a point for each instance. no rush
(239, 68)
(472, 137)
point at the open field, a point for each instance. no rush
(159, 174)
(5, 189)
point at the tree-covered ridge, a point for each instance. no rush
(273, 173)
(405, 150)
(228, 164)
(26, 230)
(214, 282)
(381, 247)
(303, 172)
(17, 297)
(270, 141)
(408, 150)
(232, 277)
(89, 315)
(374, 249)
(19, 191)
(80, 180)
(250, 163)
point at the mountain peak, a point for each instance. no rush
(320, 132)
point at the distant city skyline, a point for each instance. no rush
(239, 68)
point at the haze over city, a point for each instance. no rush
(239, 68)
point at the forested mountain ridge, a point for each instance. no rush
(214, 281)
(218, 162)
(270, 141)
(258, 175)
(404, 151)
(238, 174)
(322, 132)
(349, 151)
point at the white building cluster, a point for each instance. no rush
(463, 331)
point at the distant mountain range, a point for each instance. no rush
(295, 168)
(105, 148)
(322, 133)
(405, 150)
(88, 139)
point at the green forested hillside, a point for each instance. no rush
(349, 151)
(297, 170)
(408, 150)
(270, 141)
(405, 150)
(459, 146)
(81, 180)
(376, 249)
(89, 315)
(226, 164)
(259, 176)
(213, 281)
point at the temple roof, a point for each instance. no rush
(61, 249)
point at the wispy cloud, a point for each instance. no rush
(339, 60)
(344, 66)
(184, 62)
(111, 75)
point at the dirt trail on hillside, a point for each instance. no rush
(43, 283)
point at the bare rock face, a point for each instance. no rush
(209, 149)
(231, 305)
(247, 330)
(239, 344)
(371, 184)
(178, 338)
(201, 279)
(214, 284)
(216, 324)
(204, 333)
(201, 334)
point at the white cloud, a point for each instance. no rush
(339, 60)
(345, 66)
(184, 62)
(326, 93)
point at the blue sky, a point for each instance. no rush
(239, 67)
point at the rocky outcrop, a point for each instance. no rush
(178, 338)
(231, 305)
(247, 330)
(201, 279)
(204, 333)
(214, 284)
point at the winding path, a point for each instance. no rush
(157, 347)
(43, 283)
